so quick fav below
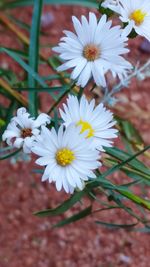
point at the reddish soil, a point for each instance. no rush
(28, 241)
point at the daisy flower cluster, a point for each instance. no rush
(72, 154)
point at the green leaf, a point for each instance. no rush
(137, 175)
(127, 209)
(115, 226)
(18, 52)
(102, 178)
(6, 156)
(82, 214)
(133, 173)
(142, 230)
(135, 163)
(43, 90)
(55, 77)
(120, 189)
(131, 133)
(136, 199)
(63, 207)
(34, 54)
(41, 171)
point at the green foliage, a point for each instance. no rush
(125, 162)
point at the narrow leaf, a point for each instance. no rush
(82, 214)
(63, 207)
(115, 226)
(34, 54)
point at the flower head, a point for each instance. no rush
(23, 130)
(68, 159)
(94, 49)
(96, 122)
(137, 14)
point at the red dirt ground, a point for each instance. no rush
(28, 241)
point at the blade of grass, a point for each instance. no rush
(111, 162)
(116, 226)
(10, 154)
(121, 155)
(126, 161)
(136, 199)
(82, 214)
(34, 54)
(62, 207)
(42, 90)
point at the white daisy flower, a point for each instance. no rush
(111, 4)
(96, 121)
(137, 14)
(23, 130)
(68, 159)
(95, 49)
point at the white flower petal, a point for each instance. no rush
(42, 119)
(76, 72)
(85, 75)
(18, 142)
(43, 161)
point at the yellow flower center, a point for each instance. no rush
(26, 132)
(91, 52)
(64, 157)
(86, 126)
(138, 16)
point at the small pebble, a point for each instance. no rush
(46, 20)
(125, 258)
